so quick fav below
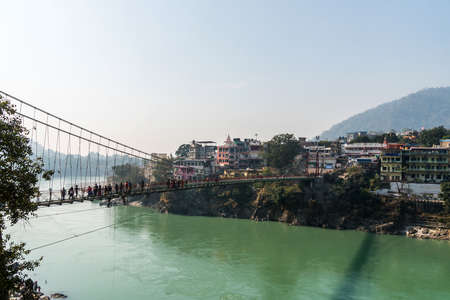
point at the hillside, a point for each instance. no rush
(426, 108)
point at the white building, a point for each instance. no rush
(363, 149)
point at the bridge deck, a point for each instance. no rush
(163, 188)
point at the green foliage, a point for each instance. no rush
(285, 195)
(19, 175)
(445, 193)
(183, 150)
(432, 136)
(270, 172)
(351, 193)
(390, 138)
(128, 172)
(163, 169)
(241, 194)
(281, 150)
(325, 143)
(376, 183)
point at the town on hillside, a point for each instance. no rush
(408, 156)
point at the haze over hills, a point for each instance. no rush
(426, 108)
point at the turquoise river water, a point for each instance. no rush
(148, 255)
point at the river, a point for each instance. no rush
(148, 255)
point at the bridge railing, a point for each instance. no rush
(137, 189)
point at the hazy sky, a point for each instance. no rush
(155, 74)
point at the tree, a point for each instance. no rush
(281, 150)
(163, 169)
(432, 136)
(128, 172)
(445, 193)
(361, 139)
(390, 138)
(183, 150)
(18, 178)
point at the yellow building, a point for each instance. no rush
(445, 143)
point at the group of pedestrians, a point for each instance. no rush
(175, 184)
(72, 193)
(99, 190)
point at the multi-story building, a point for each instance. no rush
(199, 162)
(193, 169)
(202, 150)
(363, 149)
(320, 159)
(240, 154)
(391, 163)
(426, 164)
(415, 164)
(227, 154)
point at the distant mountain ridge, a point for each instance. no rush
(426, 108)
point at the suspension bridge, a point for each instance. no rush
(89, 166)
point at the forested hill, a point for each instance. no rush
(427, 108)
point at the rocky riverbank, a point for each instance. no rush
(425, 233)
(322, 204)
(38, 296)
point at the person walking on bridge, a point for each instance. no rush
(121, 187)
(63, 193)
(76, 190)
(116, 188)
(71, 193)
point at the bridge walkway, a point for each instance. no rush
(162, 188)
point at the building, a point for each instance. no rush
(415, 164)
(445, 143)
(363, 149)
(353, 135)
(320, 159)
(240, 154)
(193, 169)
(202, 150)
(251, 156)
(199, 162)
(367, 162)
(426, 164)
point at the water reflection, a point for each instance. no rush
(357, 270)
(284, 265)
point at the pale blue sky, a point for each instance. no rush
(155, 74)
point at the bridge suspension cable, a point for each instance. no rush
(71, 150)
(84, 233)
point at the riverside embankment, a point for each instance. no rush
(333, 202)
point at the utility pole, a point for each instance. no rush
(317, 156)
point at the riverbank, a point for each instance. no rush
(410, 231)
(334, 203)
